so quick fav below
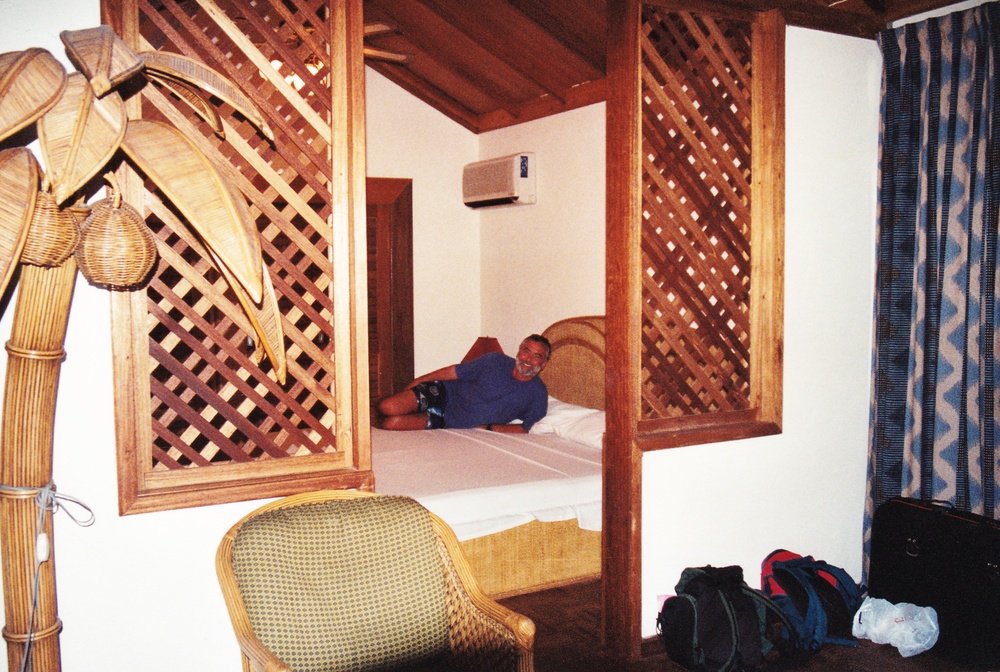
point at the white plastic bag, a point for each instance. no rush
(911, 629)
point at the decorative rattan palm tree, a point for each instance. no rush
(81, 123)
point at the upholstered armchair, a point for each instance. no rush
(345, 580)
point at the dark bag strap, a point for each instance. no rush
(789, 656)
(805, 594)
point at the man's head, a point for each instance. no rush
(532, 356)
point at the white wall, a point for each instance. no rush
(545, 262)
(803, 490)
(407, 138)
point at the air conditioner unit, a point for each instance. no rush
(508, 180)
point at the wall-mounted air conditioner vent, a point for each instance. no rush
(509, 180)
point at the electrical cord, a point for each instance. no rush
(46, 499)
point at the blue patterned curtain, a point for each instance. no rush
(934, 413)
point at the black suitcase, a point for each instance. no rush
(929, 554)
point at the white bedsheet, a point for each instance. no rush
(483, 482)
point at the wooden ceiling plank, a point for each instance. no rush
(580, 25)
(897, 10)
(517, 41)
(425, 77)
(436, 40)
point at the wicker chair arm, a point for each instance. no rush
(260, 658)
(522, 628)
(256, 653)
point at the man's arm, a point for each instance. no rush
(447, 373)
(505, 429)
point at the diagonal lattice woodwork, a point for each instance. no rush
(696, 207)
(211, 398)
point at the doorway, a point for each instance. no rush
(390, 285)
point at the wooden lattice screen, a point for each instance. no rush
(694, 320)
(696, 142)
(216, 414)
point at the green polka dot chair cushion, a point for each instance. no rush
(354, 584)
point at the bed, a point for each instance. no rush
(526, 508)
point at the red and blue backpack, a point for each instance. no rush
(819, 599)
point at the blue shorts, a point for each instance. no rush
(431, 399)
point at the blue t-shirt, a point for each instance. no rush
(487, 392)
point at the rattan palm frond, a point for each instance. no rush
(18, 191)
(264, 317)
(196, 188)
(168, 68)
(102, 56)
(31, 82)
(195, 98)
(78, 135)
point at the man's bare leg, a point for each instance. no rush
(405, 422)
(399, 412)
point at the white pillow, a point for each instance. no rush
(587, 429)
(575, 423)
(559, 413)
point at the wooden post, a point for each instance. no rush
(35, 354)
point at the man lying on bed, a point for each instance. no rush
(489, 392)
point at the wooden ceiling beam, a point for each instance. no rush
(579, 96)
(853, 18)
(802, 13)
(897, 10)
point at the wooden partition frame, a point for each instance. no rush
(628, 436)
(349, 465)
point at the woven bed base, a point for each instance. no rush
(533, 557)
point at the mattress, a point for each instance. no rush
(484, 482)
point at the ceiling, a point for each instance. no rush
(489, 64)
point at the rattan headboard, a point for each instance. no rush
(575, 372)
